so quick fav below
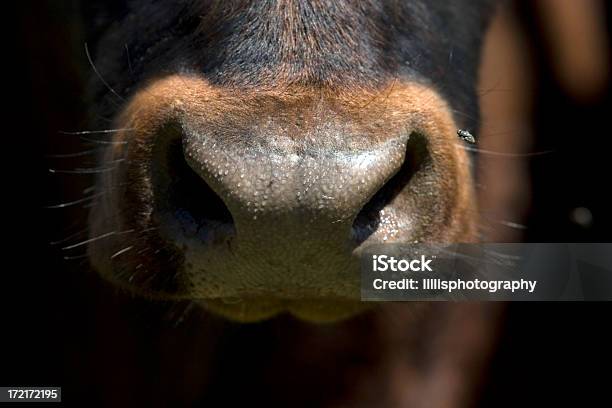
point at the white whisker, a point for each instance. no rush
(99, 75)
(502, 154)
(123, 251)
(75, 202)
(87, 241)
(95, 132)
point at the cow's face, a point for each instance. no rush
(262, 145)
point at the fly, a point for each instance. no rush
(466, 136)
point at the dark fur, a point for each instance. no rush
(318, 43)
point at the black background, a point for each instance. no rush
(549, 353)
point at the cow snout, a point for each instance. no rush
(265, 200)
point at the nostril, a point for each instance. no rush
(179, 190)
(416, 159)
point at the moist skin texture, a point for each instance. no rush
(295, 167)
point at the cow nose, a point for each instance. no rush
(258, 202)
(280, 188)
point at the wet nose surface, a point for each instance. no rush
(291, 193)
(281, 188)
